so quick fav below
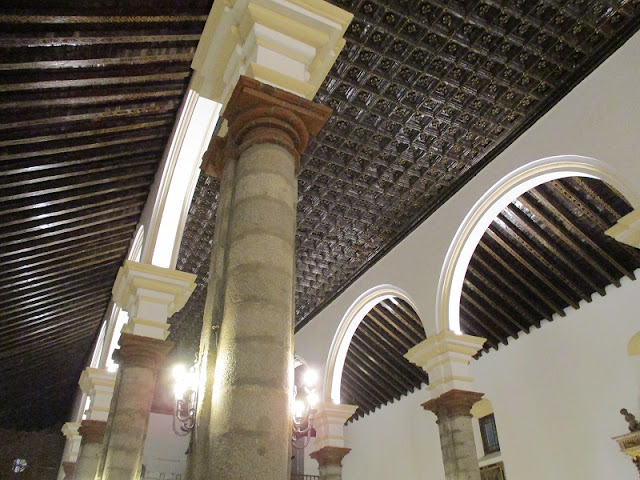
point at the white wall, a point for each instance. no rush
(164, 451)
(556, 394)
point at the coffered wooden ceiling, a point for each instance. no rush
(425, 94)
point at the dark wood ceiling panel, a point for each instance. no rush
(88, 97)
(425, 94)
(543, 253)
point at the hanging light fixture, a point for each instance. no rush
(186, 397)
(305, 399)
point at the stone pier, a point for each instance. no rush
(459, 456)
(446, 357)
(92, 432)
(330, 462)
(250, 425)
(139, 359)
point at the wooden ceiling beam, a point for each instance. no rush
(473, 290)
(55, 228)
(574, 245)
(520, 278)
(377, 396)
(506, 286)
(60, 276)
(133, 20)
(528, 266)
(79, 263)
(93, 133)
(82, 147)
(394, 366)
(51, 340)
(85, 193)
(63, 174)
(413, 317)
(409, 320)
(353, 398)
(489, 284)
(374, 370)
(73, 83)
(577, 231)
(107, 114)
(56, 275)
(105, 62)
(91, 40)
(91, 100)
(362, 390)
(487, 316)
(51, 320)
(38, 290)
(392, 344)
(482, 327)
(42, 303)
(82, 227)
(120, 242)
(549, 267)
(373, 380)
(95, 203)
(385, 323)
(374, 347)
(471, 328)
(541, 235)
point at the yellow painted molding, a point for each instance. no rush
(449, 379)
(482, 408)
(442, 343)
(260, 72)
(281, 23)
(633, 347)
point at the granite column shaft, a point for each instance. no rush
(250, 406)
(453, 410)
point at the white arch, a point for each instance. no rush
(491, 204)
(346, 329)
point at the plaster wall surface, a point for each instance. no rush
(164, 451)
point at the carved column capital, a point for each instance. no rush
(92, 431)
(139, 351)
(330, 456)
(258, 113)
(454, 403)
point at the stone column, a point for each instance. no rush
(250, 424)
(459, 455)
(71, 448)
(445, 357)
(329, 424)
(98, 385)
(139, 359)
(330, 462)
(69, 469)
(92, 432)
(150, 295)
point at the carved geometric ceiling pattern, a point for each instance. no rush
(424, 95)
